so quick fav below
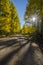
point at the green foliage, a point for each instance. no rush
(28, 29)
(25, 29)
(35, 7)
(5, 7)
(5, 15)
(9, 20)
(15, 22)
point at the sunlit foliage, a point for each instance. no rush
(35, 7)
(5, 15)
(15, 22)
(9, 19)
(28, 29)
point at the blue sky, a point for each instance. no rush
(21, 7)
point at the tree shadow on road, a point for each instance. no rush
(9, 56)
(8, 43)
(31, 57)
(40, 43)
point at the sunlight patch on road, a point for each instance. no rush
(7, 50)
(18, 57)
(35, 45)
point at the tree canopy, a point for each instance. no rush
(28, 29)
(15, 22)
(35, 7)
(9, 19)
